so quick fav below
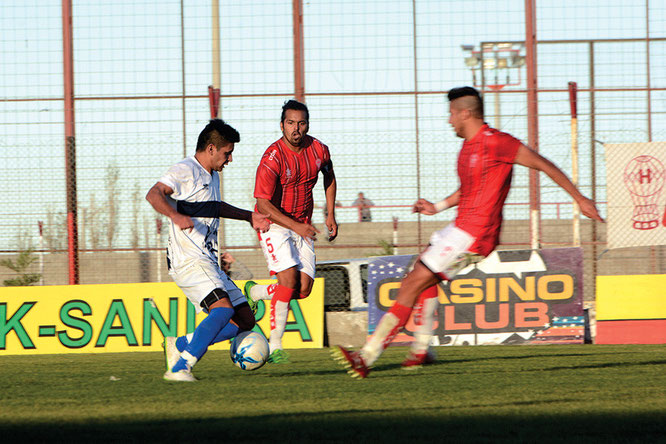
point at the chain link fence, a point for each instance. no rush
(375, 79)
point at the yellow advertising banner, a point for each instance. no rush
(128, 317)
(631, 297)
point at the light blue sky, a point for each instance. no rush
(132, 48)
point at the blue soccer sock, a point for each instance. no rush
(229, 331)
(203, 336)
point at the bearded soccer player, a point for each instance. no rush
(485, 168)
(287, 173)
(189, 195)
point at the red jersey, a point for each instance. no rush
(287, 178)
(485, 168)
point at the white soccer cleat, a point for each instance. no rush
(184, 375)
(171, 353)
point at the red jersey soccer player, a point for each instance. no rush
(286, 175)
(485, 167)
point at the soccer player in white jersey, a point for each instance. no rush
(192, 186)
(485, 168)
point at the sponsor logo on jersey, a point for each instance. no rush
(288, 173)
(272, 155)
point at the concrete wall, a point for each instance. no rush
(354, 240)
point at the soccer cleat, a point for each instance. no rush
(417, 360)
(171, 353)
(278, 356)
(251, 302)
(352, 361)
(184, 375)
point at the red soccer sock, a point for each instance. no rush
(389, 326)
(428, 293)
(282, 294)
(401, 312)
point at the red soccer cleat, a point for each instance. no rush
(416, 360)
(353, 361)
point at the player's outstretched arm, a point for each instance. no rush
(532, 159)
(157, 197)
(428, 208)
(424, 206)
(260, 222)
(224, 210)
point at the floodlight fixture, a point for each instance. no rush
(517, 60)
(472, 61)
(489, 63)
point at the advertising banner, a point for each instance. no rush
(631, 309)
(635, 176)
(511, 297)
(128, 317)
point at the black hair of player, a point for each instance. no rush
(468, 91)
(295, 105)
(217, 132)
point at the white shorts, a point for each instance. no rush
(283, 249)
(199, 279)
(448, 252)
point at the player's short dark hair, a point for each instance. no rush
(295, 105)
(468, 91)
(219, 133)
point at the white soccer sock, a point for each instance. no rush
(262, 292)
(424, 330)
(279, 323)
(374, 346)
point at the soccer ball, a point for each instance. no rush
(249, 350)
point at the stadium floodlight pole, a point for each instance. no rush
(182, 76)
(214, 97)
(70, 143)
(573, 102)
(532, 119)
(593, 154)
(299, 60)
(217, 77)
(417, 138)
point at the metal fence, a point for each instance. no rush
(98, 99)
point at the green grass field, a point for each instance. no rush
(492, 394)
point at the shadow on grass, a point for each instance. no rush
(443, 362)
(424, 425)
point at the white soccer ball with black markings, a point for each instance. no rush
(249, 350)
